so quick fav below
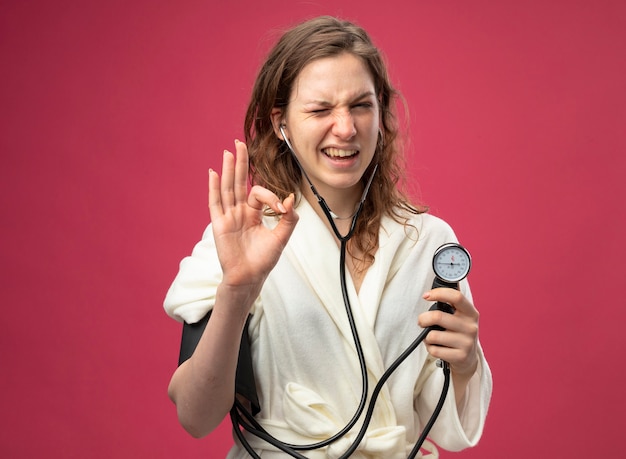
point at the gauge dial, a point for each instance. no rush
(451, 262)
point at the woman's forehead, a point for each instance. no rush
(327, 79)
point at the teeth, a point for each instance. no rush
(337, 153)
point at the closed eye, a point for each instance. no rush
(319, 112)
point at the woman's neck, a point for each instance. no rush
(346, 203)
(342, 203)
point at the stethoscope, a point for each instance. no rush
(242, 418)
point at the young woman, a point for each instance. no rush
(309, 284)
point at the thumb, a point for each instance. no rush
(288, 219)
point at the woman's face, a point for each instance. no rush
(332, 121)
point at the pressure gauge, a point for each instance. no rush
(451, 262)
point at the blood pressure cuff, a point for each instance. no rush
(244, 379)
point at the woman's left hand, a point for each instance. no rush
(458, 343)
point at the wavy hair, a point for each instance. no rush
(273, 167)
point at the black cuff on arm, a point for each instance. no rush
(244, 379)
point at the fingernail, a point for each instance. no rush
(426, 295)
(236, 141)
(281, 207)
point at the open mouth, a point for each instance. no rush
(338, 153)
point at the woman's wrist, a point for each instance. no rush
(235, 302)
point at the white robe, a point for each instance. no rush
(306, 366)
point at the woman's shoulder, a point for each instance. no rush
(423, 220)
(424, 227)
(433, 223)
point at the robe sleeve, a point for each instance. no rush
(190, 300)
(455, 429)
(192, 293)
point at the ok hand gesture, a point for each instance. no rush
(247, 249)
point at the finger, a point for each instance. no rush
(261, 197)
(288, 219)
(435, 317)
(462, 358)
(241, 172)
(450, 339)
(215, 202)
(227, 181)
(456, 322)
(449, 354)
(454, 298)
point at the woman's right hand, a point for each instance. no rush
(247, 249)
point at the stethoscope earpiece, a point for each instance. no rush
(281, 128)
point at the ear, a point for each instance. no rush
(277, 118)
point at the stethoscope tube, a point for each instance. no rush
(253, 427)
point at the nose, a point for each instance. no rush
(343, 125)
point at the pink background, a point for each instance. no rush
(112, 112)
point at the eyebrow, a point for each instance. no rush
(361, 96)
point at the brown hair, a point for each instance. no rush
(274, 168)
